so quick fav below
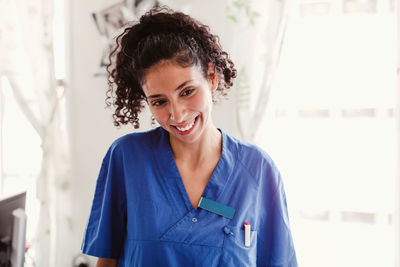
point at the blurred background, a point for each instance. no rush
(317, 89)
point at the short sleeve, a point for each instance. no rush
(275, 246)
(105, 231)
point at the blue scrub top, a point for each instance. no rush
(142, 215)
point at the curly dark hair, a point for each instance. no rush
(160, 34)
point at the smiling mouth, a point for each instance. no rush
(185, 128)
(188, 128)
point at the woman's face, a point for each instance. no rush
(180, 99)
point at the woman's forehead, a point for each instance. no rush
(169, 74)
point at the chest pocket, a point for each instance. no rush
(234, 252)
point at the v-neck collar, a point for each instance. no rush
(169, 170)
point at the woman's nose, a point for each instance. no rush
(177, 112)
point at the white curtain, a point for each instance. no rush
(397, 206)
(27, 61)
(260, 28)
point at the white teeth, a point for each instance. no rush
(186, 128)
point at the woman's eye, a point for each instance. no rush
(187, 92)
(157, 103)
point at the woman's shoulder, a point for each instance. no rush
(250, 155)
(256, 165)
(247, 149)
(137, 140)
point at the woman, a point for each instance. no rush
(180, 194)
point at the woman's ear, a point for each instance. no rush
(212, 76)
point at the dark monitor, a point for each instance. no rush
(12, 230)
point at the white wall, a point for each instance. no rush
(397, 190)
(91, 126)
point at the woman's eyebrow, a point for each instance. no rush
(176, 89)
(182, 85)
(154, 96)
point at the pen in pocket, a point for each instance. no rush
(247, 229)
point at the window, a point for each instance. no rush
(331, 129)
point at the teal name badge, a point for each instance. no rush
(216, 207)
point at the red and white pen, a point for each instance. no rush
(247, 229)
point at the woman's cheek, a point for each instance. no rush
(200, 102)
(159, 118)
